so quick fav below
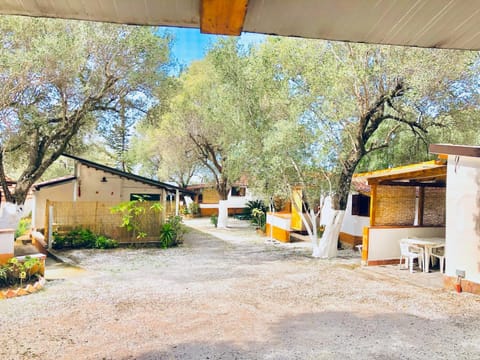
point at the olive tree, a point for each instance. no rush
(58, 77)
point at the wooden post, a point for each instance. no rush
(164, 206)
(50, 226)
(365, 245)
(46, 222)
(421, 205)
(373, 203)
(95, 220)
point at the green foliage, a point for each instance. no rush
(214, 219)
(167, 235)
(259, 218)
(23, 226)
(194, 208)
(80, 238)
(102, 242)
(297, 112)
(171, 233)
(255, 204)
(256, 212)
(60, 78)
(132, 213)
(16, 272)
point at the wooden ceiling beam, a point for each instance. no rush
(222, 17)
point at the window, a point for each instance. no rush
(238, 191)
(146, 197)
(360, 205)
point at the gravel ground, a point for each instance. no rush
(237, 296)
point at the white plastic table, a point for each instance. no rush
(427, 244)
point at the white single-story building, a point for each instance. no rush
(462, 238)
(208, 198)
(93, 182)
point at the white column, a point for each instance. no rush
(177, 202)
(50, 226)
(222, 214)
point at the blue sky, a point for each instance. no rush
(190, 45)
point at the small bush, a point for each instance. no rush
(214, 219)
(102, 242)
(15, 272)
(171, 233)
(194, 209)
(167, 235)
(23, 227)
(80, 238)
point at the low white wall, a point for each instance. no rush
(463, 217)
(384, 243)
(7, 241)
(281, 222)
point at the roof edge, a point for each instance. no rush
(451, 149)
(127, 175)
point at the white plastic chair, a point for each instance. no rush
(409, 253)
(439, 253)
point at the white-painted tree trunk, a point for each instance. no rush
(222, 214)
(327, 245)
(10, 216)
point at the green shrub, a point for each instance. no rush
(214, 219)
(178, 227)
(132, 213)
(82, 238)
(23, 226)
(171, 233)
(102, 242)
(194, 208)
(15, 272)
(167, 235)
(58, 241)
(259, 218)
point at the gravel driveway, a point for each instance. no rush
(236, 296)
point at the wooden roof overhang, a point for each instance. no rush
(449, 24)
(426, 174)
(459, 150)
(429, 174)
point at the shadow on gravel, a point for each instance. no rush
(342, 335)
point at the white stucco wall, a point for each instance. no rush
(352, 224)
(116, 189)
(233, 201)
(463, 217)
(60, 192)
(384, 243)
(7, 241)
(239, 201)
(89, 187)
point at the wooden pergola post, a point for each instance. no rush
(421, 205)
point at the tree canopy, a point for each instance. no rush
(58, 78)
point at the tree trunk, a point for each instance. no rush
(10, 216)
(327, 247)
(223, 191)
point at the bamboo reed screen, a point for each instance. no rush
(434, 207)
(395, 205)
(98, 217)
